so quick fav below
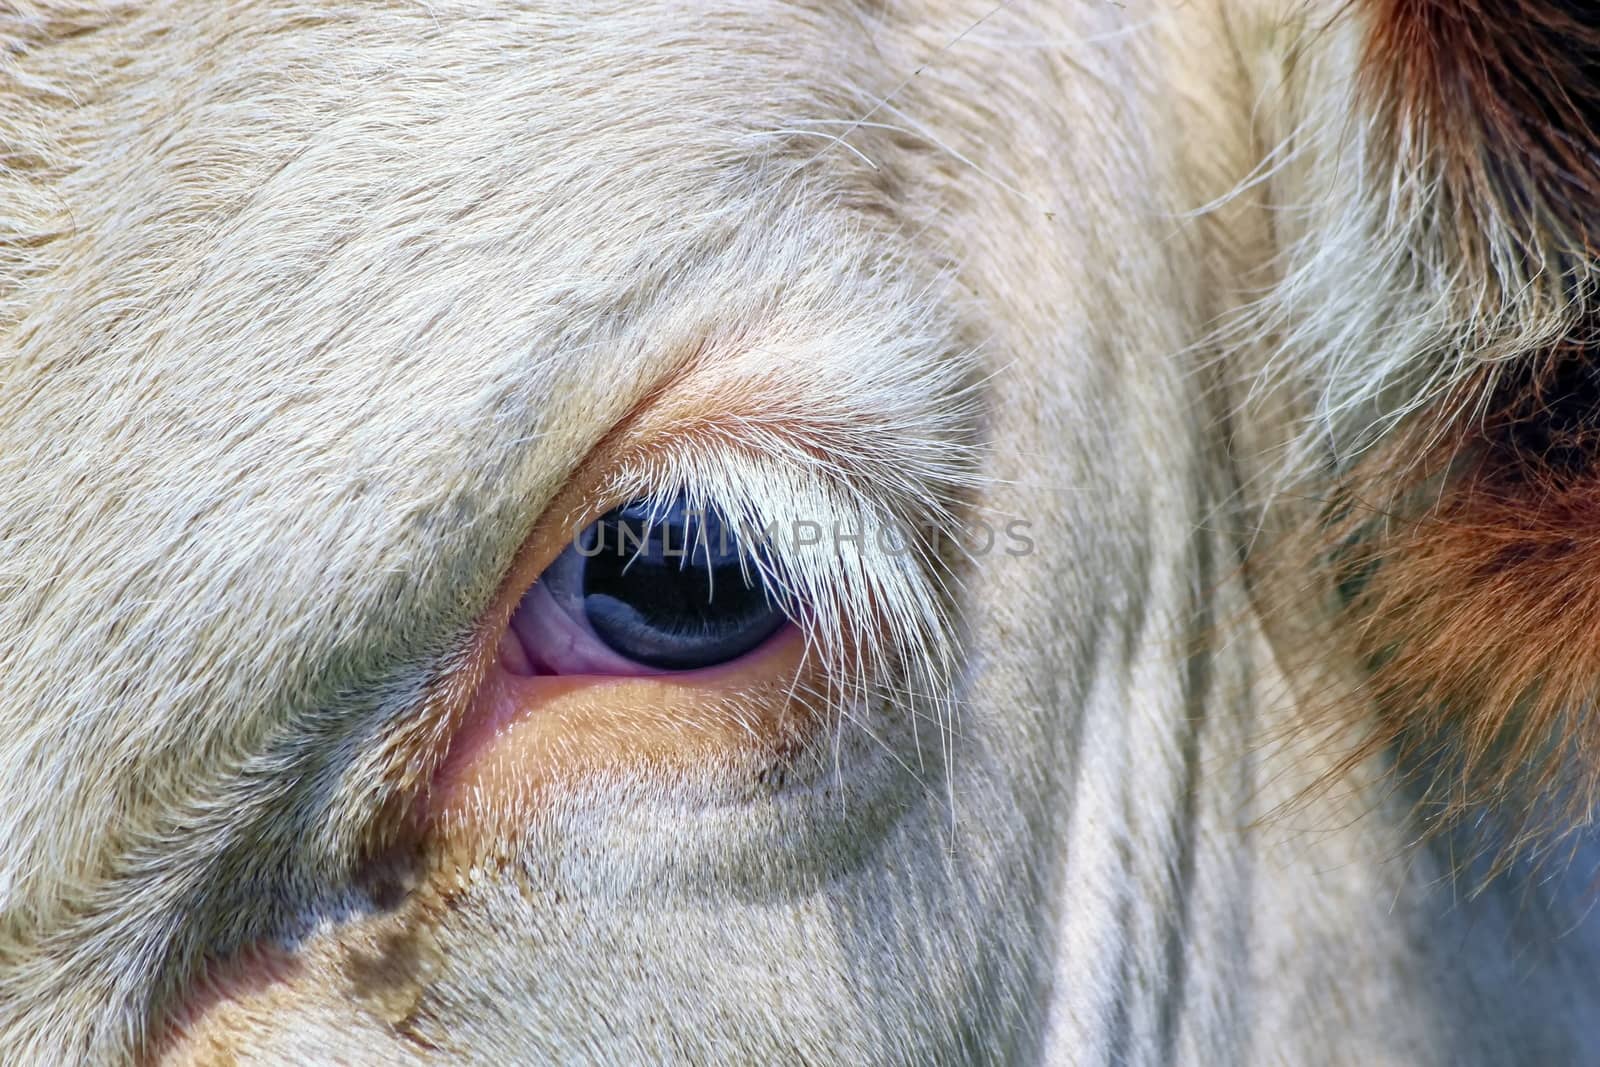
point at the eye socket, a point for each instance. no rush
(646, 589)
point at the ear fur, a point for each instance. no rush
(1469, 538)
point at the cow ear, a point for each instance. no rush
(1470, 536)
(1497, 107)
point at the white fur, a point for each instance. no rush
(306, 313)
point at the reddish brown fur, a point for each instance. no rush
(1507, 96)
(1480, 617)
(1474, 576)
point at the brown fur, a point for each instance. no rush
(1478, 606)
(1506, 96)
(1467, 543)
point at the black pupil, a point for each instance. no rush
(675, 593)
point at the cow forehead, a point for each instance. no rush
(396, 273)
(359, 223)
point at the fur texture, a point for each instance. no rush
(1464, 444)
(309, 311)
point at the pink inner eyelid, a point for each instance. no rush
(552, 642)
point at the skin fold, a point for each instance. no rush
(323, 326)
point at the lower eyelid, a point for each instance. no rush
(524, 734)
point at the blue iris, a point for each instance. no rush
(667, 587)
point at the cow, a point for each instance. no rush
(798, 532)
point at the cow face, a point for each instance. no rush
(772, 533)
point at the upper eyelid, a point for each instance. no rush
(761, 452)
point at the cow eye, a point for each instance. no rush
(649, 588)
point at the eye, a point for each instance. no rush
(646, 588)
